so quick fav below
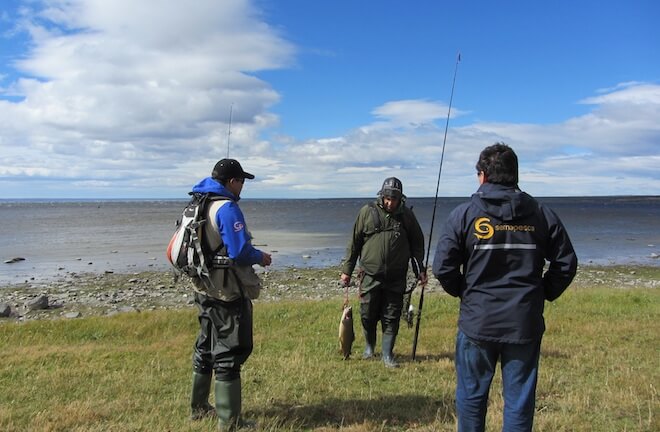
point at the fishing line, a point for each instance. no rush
(435, 205)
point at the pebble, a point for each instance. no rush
(110, 294)
(5, 310)
(38, 303)
(14, 260)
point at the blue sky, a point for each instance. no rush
(129, 99)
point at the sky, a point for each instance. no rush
(327, 98)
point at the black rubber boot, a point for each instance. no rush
(199, 401)
(370, 342)
(228, 406)
(388, 347)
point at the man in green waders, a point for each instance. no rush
(386, 236)
(225, 340)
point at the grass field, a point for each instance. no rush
(600, 369)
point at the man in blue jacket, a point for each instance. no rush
(491, 255)
(225, 309)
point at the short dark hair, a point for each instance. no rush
(499, 164)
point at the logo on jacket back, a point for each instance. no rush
(483, 229)
(238, 225)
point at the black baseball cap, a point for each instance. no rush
(227, 169)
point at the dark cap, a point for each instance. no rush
(227, 169)
(392, 187)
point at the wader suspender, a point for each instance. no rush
(222, 247)
(212, 220)
(202, 269)
(378, 223)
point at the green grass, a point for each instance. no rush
(131, 372)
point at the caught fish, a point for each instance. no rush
(346, 333)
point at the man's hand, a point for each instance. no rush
(345, 279)
(423, 278)
(266, 259)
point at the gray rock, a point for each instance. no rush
(72, 315)
(38, 303)
(5, 310)
(14, 260)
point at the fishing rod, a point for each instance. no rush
(435, 204)
(231, 108)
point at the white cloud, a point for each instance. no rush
(607, 151)
(136, 104)
(145, 85)
(413, 113)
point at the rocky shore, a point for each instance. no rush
(80, 295)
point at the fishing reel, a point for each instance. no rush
(410, 314)
(409, 310)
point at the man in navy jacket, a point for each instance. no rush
(491, 255)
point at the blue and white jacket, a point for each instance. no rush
(231, 224)
(492, 253)
(226, 226)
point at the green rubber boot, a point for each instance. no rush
(199, 401)
(388, 347)
(370, 342)
(228, 406)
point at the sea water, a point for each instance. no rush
(60, 237)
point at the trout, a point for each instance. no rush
(346, 334)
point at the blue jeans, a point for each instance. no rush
(475, 367)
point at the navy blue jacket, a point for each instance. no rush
(492, 253)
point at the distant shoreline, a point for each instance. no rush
(270, 198)
(304, 264)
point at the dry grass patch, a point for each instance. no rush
(599, 369)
